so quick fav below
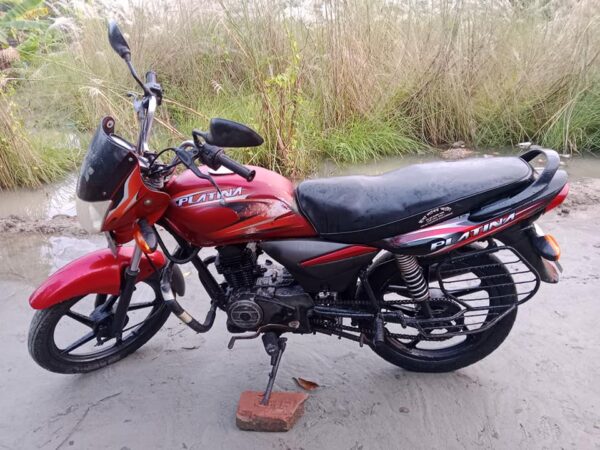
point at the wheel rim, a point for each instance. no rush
(76, 335)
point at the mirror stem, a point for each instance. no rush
(135, 76)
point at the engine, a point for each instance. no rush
(260, 294)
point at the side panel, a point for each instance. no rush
(321, 265)
(97, 272)
(456, 232)
(262, 209)
(459, 231)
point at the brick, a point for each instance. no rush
(282, 412)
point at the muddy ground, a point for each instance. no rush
(540, 389)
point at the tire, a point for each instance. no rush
(46, 353)
(477, 346)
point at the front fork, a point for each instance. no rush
(127, 288)
(131, 275)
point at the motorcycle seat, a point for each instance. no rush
(363, 209)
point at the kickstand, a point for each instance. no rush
(274, 345)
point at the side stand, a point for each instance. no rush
(258, 411)
(275, 346)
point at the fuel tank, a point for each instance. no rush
(264, 208)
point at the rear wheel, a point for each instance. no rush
(75, 336)
(490, 285)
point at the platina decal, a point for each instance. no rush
(208, 196)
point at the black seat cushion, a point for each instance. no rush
(361, 209)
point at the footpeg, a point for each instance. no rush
(237, 338)
(264, 329)
(378, 331)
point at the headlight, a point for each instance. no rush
(91, 215)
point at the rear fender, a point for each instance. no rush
(97, 272)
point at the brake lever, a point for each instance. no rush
(187, 159)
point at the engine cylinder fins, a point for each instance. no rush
(238, 265)
(413, 277)
(245, 314)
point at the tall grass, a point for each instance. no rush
(27, 162)
(349, 80)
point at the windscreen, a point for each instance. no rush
(107, 164)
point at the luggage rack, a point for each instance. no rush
(524, 276)
(477, 317)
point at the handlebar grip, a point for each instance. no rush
(214, 157)
(236, 167)
(150, 77)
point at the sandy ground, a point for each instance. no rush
(540, 389)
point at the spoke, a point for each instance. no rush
(412, 344)
(79, 342)
(135, 306)
(397, 289)
(80, 318)
(408, 310)
(100, 299)
(111, 301)
(142, 322)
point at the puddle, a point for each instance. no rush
(578, 167)
(33, 257)
(45, 203)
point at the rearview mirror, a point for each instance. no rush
(117, 41)
(227, 133)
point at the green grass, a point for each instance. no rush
(364, 140)
(576, 126)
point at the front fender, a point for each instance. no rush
(97, 272)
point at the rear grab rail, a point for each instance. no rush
(541, 184)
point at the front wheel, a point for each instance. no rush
(488, 281)
(75, 336)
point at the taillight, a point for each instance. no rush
(560, 197)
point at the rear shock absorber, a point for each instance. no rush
(413, 277)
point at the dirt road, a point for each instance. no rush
(539, 390)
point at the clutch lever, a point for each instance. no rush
(187, 159)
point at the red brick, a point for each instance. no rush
(282, 412)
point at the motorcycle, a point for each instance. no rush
(426, 265)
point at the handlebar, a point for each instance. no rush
(214, 157)
(211, 155)
(151, 77)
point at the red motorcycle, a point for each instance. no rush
(426, 265)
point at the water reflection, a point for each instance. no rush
(32, 257)
(44, 203)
